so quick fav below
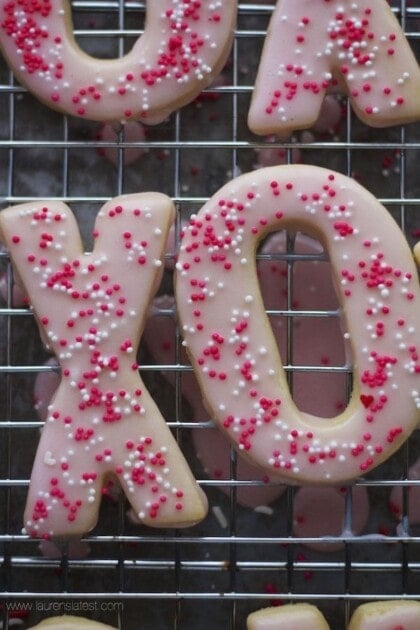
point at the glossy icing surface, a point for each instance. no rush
(231, 344)
(184, 46)
(101, 420)
(312, 47)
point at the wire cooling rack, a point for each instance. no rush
(239, 559)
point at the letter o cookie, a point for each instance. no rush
(232, 347)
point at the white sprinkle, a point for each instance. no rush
(264, 509)
(220, 517)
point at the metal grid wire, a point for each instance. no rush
(211, 575)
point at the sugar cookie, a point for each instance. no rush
(232, 347)
(288, 617)
(386, 615)
(184, 46)
(315, 46)
(101, 420)
(71, 622)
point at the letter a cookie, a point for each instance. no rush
(328, 44)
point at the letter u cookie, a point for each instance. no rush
(184, 46)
